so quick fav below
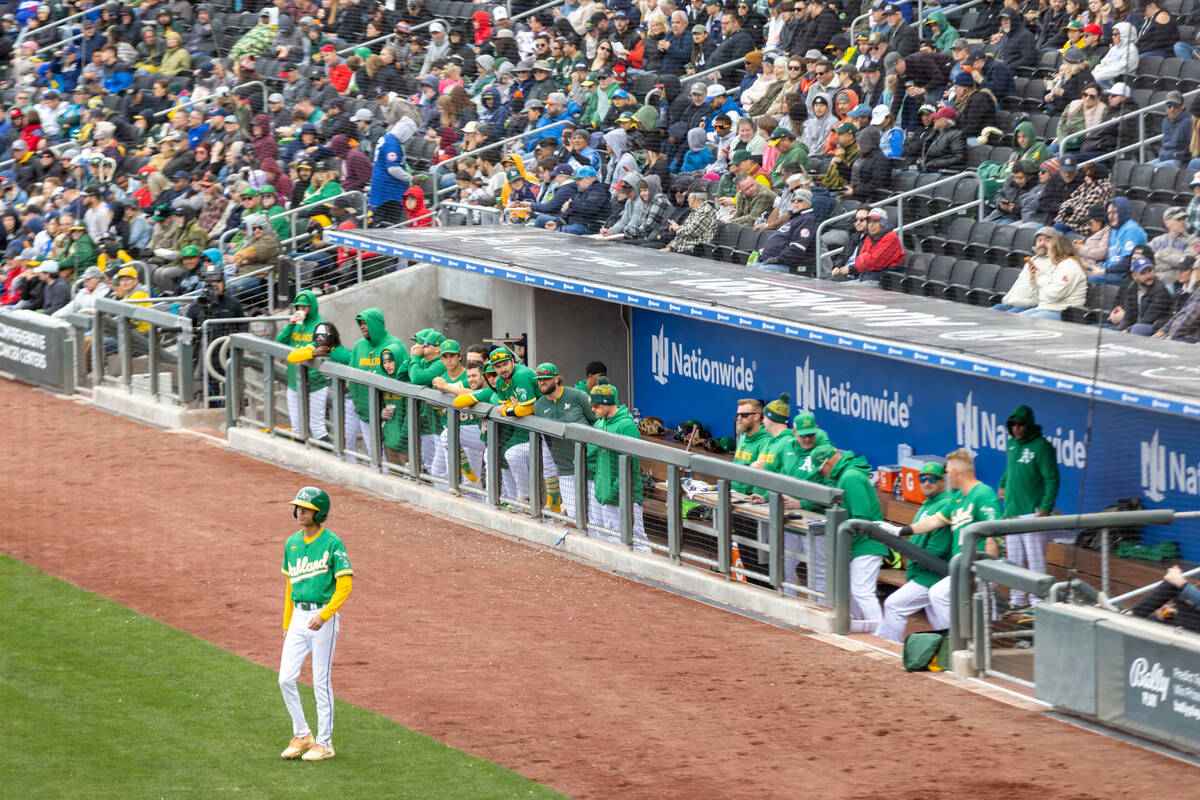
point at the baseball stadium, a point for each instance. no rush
(353, 419)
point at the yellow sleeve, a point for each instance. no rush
(301, 354)
(523, 409)
(340, 592)
(287, 603)
(464, 400)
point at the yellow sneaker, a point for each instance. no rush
(318, 752)
(298, 745)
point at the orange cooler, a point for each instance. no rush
(909, 469)
(888, 475)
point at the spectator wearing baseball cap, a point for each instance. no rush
(1176, 249)
(1123, 238)
(840, 166)
(1173, 150)
(1143, 303)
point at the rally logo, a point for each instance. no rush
(669, 358)
(976, 428)
(819, 392)
(1165, 470)
(1153, 682)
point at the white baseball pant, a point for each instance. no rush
(1026, 550)
(899, 606)
(433, 455)
(356, 427)
(864, 598)
(514, 478)
(610, 520)
(297, 644)
(938, 609)
(471, 443)
(317, 401)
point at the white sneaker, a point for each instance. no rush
(298, 745)
(318, 752)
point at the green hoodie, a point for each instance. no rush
(777, 453)
(302, 336)
(422, 371)
(608, 468)
(937, 542)
(395, 430)
(365, 355)
(995, 173)
(1030, 480)
(946, 34)
(746, 453)
(850, 474)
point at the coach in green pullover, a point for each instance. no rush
(1029, 487)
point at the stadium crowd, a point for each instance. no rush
(178, 136)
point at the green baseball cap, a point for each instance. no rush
(514, 174)
(780, 133)
(805, 424)
(933, 468)
(546, 370)
(500, 354)
(268, 189)
(189, 251)
(822, 454)
(434, 338)
(739, 156)
(450, 346)
(846, 127)
(251, 192)
(419, 336)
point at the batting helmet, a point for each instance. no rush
(314, 498)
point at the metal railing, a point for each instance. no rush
(126, 315)
(292, 213)
(687, 77)
(530, 12)
(213, 98)
(1140, 142)
(250, 352)
(24, 33)
(388, 37)
(898, 199)
(443, 165)
(917, 20)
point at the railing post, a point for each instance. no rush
(722, 520)
(837, 568)
(268, 363)
(535, 475)
(152, 358)
(453, 461)
(375, 432)
(337, 428)
(493, 462)
(581, 487)
(625, 495)
(233, 387)
(125, 347)
(775, 540)
(674, 512)
(957, 612)
(413, 421)
(98, 356)
(302, 402)
(187, 365)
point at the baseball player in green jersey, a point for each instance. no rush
(317, 581)
(365, 356)
(563, 404)
(516, 391)
(424, 365)
(751, 437)
(594, 371)
(972, 501)
(326, 343)
(1029, 488)
(606, 487)
(848, 472)
(808, 438)
(395, 407)
(914, 594)
(779, 451)
(299, 333)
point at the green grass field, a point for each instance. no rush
(102, 702)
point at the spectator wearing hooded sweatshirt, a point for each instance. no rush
(881, 250)
(354, 166)
(389, 179)
(1014, 44)
(1125, 234)
(698, 155)
(589, 208)
(870, 173)
(1028, 487)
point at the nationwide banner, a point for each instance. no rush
(870, 404)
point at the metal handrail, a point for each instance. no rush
(388, 36)
(25, 31)
(901, 225)
(291, 214)
(54, 148)
(691, 76)
(213, 98)
(1191, 573)
(1138, 113)
(470, 153)
(59, 43)
(532, 11)
(918, 18)
(126, 312)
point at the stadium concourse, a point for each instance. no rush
(582, 680)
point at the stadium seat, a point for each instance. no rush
(1189, 76)
(1002, 282)
(1000, 246)
(1139, 181)
(1121, 170)
(1162, 185)
(977, 155)
(1151, 219)
(939, 270)
(960, 275)
(721, 248)
(981, 236)
(915, 265)
(1147, 72)
(746, 242)
(983, 278)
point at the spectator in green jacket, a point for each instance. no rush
(81, 253)
(616, 419)
(1029, 488)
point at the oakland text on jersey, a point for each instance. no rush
(816, 392)
(668, 358)
(306, 568)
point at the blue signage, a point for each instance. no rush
(684, 368)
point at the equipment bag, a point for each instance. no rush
(928, 650)
(1091, 538)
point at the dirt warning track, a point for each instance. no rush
(594, 685)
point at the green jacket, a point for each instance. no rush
(80, 254)
(192, 234)
(746, 453)
(571, 406)
(937, 542)
(281, 224)
(861, 502)
(946, 33)
(521, 388)
(395, 430)
(327, 191)
(302, 336)
(776, 454)
(365, 355)
(796, 154)
(422, 372)
(802, 467)
(1030, 480)
(608, 469)
(597, 106)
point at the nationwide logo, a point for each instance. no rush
(977, 428)
(1165, 470)
(819, 392)
(669, 358)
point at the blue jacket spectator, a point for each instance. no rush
(997, 78)
(1125, 235)
(698, 155)
(495, 112)
(1176, 133)
(590, 206)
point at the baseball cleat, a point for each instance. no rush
(318, 752)
(298, 745)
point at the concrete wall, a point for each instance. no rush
(572, 331)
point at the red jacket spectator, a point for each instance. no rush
(414, 207)
(339, 77)
(881, 249)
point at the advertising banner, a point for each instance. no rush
(35, 347)
(1162, 688)
(684, 368)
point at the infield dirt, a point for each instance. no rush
(589, 683)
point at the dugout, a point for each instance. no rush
(685, 337)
